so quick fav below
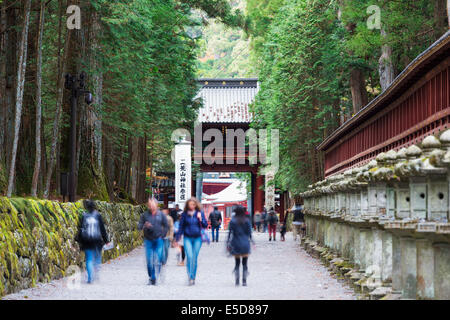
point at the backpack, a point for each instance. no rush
(90, 229)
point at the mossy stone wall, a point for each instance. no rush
(37, 238)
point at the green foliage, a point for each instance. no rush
(301, 86)
(304, 50)
(223, 51)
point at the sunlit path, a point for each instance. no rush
(278, 270)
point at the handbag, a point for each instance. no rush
(205, 237)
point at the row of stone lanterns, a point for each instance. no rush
(390, 218)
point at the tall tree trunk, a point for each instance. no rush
(91, 174)
(3, 50)
(134, 167)
(37, 164)
(440, 16)
(358, 90)
(385, 65)
(23, 49)
(59, 102)
(9, 34)
(448, 13)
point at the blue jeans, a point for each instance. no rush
(154, 256)
(166, 251)
(216, 230)
(93, 262)
(192, 248)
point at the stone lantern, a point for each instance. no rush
(402, 194)
(417, 183)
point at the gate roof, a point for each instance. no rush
(226, 100)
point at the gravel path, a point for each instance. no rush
(278, 270)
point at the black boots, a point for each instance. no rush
(236, 276)
(244, 277)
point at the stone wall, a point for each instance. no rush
(384, 226)
(37, 238)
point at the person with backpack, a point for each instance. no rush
(272, 222)
(92, 236)
(192, 222)
(155, 226)
(238, 242)
(215, 219)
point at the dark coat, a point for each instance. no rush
(216, 218)
(239, 235)
(92, 245)
(191, 227)
(272, 219)
(299, 216)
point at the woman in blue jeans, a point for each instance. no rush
(192, 222)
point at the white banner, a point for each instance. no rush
(183, 172)
(270, 190)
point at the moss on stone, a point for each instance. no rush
(37, 238)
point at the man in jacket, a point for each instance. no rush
(216, 219)
(155, 226)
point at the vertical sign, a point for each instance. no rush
(182, 172)
(270, 190)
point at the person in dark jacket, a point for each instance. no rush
(92, 236)
(283, 231)
(175, 213)
(192, 222)
(298, 222)
(155, 226)
(216, 220)
(238, 242)
(272, 221)
(264, 217)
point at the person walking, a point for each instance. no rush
(192, 222)
(272, 222)
(298, 221)
(92, 236)
(238, 242)
(258, 221)
(283, 230)
(175, 213)
(215, 218)
(180, 248)
(169, 236)
(155, 226)
(264, 218)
